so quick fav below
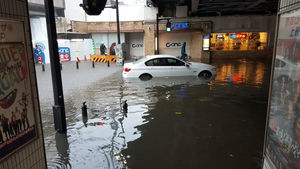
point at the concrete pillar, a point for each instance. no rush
(149, 39)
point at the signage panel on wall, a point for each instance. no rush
(206, 42)
(64, 54)
(179, 25)
(16, 106)
(238, 36)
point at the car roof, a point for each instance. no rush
(159, 56)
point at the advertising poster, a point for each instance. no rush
(17, 124)
(283, 137)
(39, 54)
(64, 54)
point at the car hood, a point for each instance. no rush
(203, 65)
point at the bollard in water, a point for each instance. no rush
(84, 109)
(125, 108)
(93, 63)
(84, 114)
(77, 65)
(107, 63)
(43, 67)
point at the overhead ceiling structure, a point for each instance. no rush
(220, 7)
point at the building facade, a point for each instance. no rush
(207, 38)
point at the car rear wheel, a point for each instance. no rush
(145, 77)
(205, 74)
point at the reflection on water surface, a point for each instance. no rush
(170, 123)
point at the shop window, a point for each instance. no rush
(238, 41)
(174, 62)
(156, 62)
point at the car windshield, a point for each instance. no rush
(139, 61)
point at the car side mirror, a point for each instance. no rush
(187, 65)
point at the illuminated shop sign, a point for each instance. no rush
(206, 42)
(179, 25)
(220, 37)
(238, 36)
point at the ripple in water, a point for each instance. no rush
(56, 164)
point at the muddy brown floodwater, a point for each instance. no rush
(174, 123)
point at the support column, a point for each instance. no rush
(59, 107)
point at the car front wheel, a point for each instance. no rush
(205, 74)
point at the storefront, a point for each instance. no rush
(235, 41)
(282, 145)
(171, 43)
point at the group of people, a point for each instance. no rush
(112, 50)
(16, 123)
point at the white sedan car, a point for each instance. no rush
(166, 66)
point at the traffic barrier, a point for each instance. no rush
(103, 59)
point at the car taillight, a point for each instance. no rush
(127, 69)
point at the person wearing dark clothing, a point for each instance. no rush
(1, 137)
(112, 49)
(14, 123)
(5, 126)
(5, 129)
(24, 119)
(19, 123)
(183, 51)
(102, 49)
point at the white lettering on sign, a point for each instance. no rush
(137, 45)
(168, 44)
(64, 50)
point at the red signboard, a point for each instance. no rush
(241, 36)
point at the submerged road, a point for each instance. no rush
(170, 123)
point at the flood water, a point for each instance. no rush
(181, 123)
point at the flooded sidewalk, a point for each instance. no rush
(170, 122)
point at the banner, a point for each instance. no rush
(16, 107)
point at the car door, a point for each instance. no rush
(158, 67)
(179, 68)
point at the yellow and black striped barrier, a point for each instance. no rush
(103, 59)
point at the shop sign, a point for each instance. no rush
(206, 42)
(220, 37)
(137, 45)
(168, 44)
(64, 54)
(16, 105)
(238, 36)
(179, 25)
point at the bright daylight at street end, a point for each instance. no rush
(146, 84)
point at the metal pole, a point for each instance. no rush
(118, 22)
(157, 34)
(59, 107)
